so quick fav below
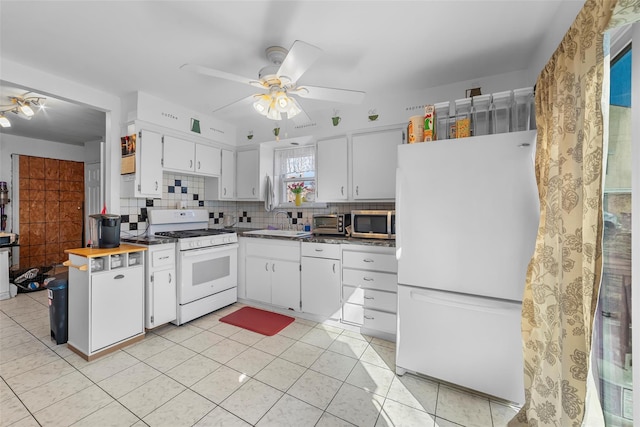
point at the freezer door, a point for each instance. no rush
(467, 214)
(474, 342)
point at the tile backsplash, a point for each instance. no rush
(179, 190)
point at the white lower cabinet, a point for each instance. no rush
(273, 272)
(369, 287)
(160, 285)
(321, 279)
(106, 299)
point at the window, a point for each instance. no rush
(296, 167)
(613, 323)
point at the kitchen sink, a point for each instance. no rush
(280, 233)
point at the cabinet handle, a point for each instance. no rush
(225, 191)
(273, 268)
(334, 268)
(369, 298)
(319, 250)
(369, 318)
(198, 164)
(164, 257)
(357, 190)
(253, 191)
(82, 267)
(156, 185)
(266, 267)
(190, 164)
(169, 277)
(119, 276)
(342, 190)
(367, 260)
(368, 279)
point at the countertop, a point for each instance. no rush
(336, 240)
(95, 252)
(149, 240)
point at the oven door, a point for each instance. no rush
(207, 271)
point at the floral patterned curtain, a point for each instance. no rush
(563, 277)
(295, 160)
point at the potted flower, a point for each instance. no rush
(297, 188)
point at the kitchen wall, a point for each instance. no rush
(177, 188)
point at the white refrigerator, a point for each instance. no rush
(467, 215)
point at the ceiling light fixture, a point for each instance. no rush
(22, 107)
(276, 103)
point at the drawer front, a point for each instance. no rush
(370, 280)
(353, 313)
(321, 250)
(274, 249)
(379, 321)
(370, 261)
(164, 257)
(353, 295)
(386, 301)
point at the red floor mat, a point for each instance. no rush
(256, 320)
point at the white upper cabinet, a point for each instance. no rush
(252, 168)
(207, 160)
(228, 175)
(186, 156)
(147, 179)
(333, 169)
(374, 164)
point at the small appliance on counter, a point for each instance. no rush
(373, 224)
(104, 231)
(331, 224)
(8, 238)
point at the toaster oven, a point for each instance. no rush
(331, 224)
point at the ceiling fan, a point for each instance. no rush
(279, 80)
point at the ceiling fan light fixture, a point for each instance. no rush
(26, 109)
(261, 105)
(274, 114)
(294, 109)
(4, 122)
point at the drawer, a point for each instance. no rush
(386, 301)
(274, 249)
(321, 250)
(353, 313)
(370, 261)
(380, 321)
(370, 279)
(160, 258)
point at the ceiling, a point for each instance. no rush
(373, 46)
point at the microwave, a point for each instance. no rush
(7, 238)
(373, 224)
(331, 224)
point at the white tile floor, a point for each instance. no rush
(208, 373)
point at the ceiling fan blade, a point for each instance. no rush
(344, 96)
(301, 118)
(221, 74)
(247, 100)
(300, 57)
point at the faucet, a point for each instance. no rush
(286, 215)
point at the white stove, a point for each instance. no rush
(207, 260)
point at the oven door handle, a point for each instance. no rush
(205, 251)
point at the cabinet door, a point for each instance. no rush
(258, 279)
(228, 175)
(374, 164)
(178, 154)
(150, 172)
(247, 174)
(285, 284)
(164, 297)
(321, 287)
(332, 169)
(207, 160)
(116, 306)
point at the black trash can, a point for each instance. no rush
(58, 291)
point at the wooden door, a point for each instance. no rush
(51, 198)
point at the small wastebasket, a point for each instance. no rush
(58, 309)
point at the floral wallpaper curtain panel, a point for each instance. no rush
(564, 274)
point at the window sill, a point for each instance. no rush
(304, 205)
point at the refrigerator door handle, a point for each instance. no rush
(479, 307)
(398, 211)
